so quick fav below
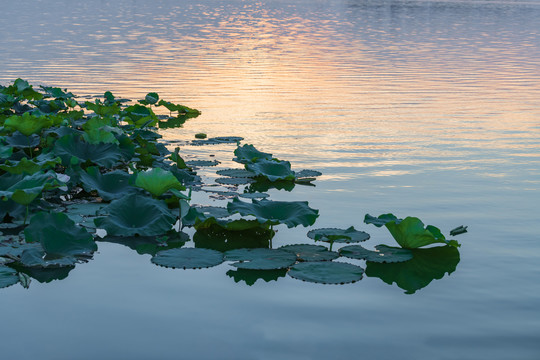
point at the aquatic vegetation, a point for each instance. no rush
(91, 172)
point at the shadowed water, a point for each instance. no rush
(420, 108)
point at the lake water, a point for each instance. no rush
(419, 108)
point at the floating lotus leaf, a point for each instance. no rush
(59, 235)
(201, 163)
(459, 230)
(254, 195)
(272, 169)
(263, 185)
(177, 107)
(236, 173)
(305, 252)
(36, 257)
(41, 162)
(18, 140)
(350, 235)
(151, 98)
(24, 189)
(157, 181)
(218, 238)
(234, 181)
(85, 209)
(247, 154)
(382, 254)
(213, 211)
(381, 220)
(188, 258)
(307, 174)
(110, 186)
(218, 140)
(8, 277)
(72, 149)
(326, 272)
(57, 93)
(136, 215)
(425, 266)
(290, 213)
(150, 244)
(260, 259)
(230, 225)
(28, 124)
(250, 276)
(411, 234)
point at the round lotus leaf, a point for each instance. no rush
(237, 173)
(326, 272)
(307, 252)
(85, 209)
(260, 259)
(234, 181)
(35, 258)
(8, 277)
(218, 140)
(72, 148)
(254, 195)
(213, 211)
(202, 163)
(188, 258)
(350, 235)
(308, 174)
(382, 254)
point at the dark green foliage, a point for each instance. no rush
(188, 258)
(326, 272)
(306, 252)
(260, 259)
(382, 253)
(331, 235)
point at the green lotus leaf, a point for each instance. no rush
(273, 169)
(382, 253)
(307, 174)
(381, 220)
(136, 215)
(13, 209)
(411, 234)
(5, 151)
(36, 258)
(230, 225)
(250, 276)
(23, 189)
(200, 136)
(8, 277)
(139, 115)
(218, 238)
(174, 122)
(40, 162)
(18, 140)
(23, 90)
(59, 235)
(248, 154)
(46, 274)
(72, 150)
(234, 181)
(157, 181)
(188, 258)
(260, 259)
(97, 136)
(263, 185)
(425, 266)
(150, 99)
(306, 252)
(459, 230)
(290, 213)
(201, 163)
(57, 93)
(350, 235)
(180, 163)
(107, 109)
(110, 186)
(236, 173)
(180, 108)
(85, 209)
(254, 195)
(150, 244)
(326, 272)
(218, 140)
(28, 124)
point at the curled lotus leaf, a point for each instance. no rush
(234, 181)
(188, 258)
(72, 149)
(260, 259)
(382, 253)
(157, 181)
(273, 170)
(248, 154)
(27, 123)
(308, 252)
(58, 235)
(350, 235)
(326, 272)
(236, 173)
(410, 233)
(135, 214)
(380, 220)
(290, 213)
(111, 185)
(8, 276)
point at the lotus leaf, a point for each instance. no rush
(350, 235)
(188, 258)
(218, 140)
(326, 272)
(307, 174)
(28, 124)
(411, 234)
(254, 195)
(98, 136)
(234, 181)
(273, 170)
(41, 162)
(151, 98)
(382, 254)
(18, 140)
(200, 136)
(248, 154)
(8, 277)
(24, 189)
(107, 109)
(110, 186)
(72, 150)
(176, 107)
(250, 276)
(157, 181)
(5, 151)
(264, 185)
(35, 257)
(260, 259)
(57, 93)
(150, 244)
(59, 235)
(46, 274)
(230, 225)
(305, 252)
(425, 266)
(290, 213)
(459, 230)
(136, 215)
(139, 115)
(85, 209)
(236, 173)
(381, 220)
(217, 238)
(202, 163)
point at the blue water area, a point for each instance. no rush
(418, 108)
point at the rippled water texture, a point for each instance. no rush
(420, 108)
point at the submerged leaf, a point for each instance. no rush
(188, 258)
(326, 272)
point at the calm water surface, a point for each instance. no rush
(420, 108)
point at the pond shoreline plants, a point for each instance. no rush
(74, 173)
